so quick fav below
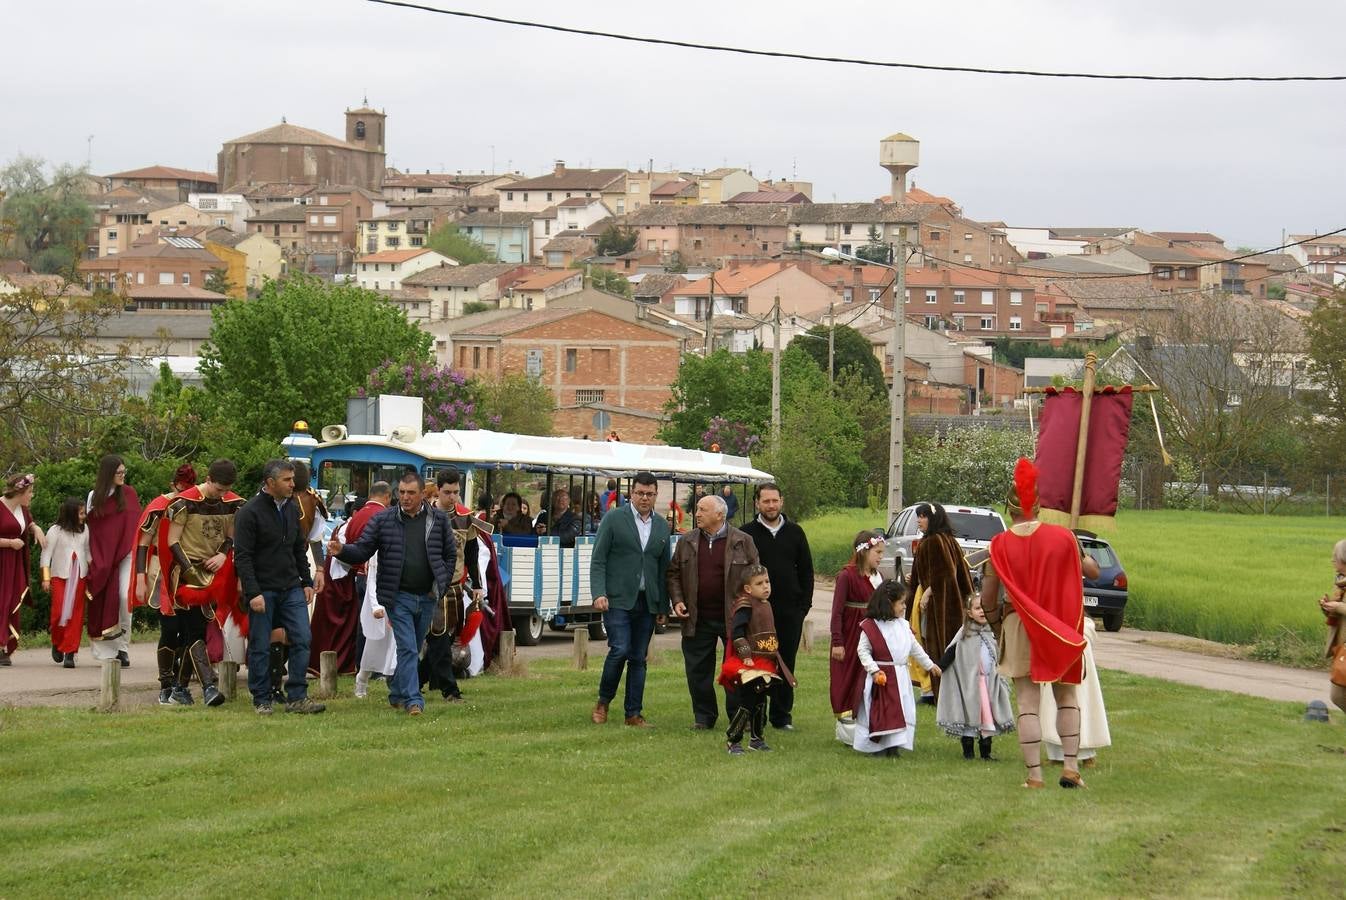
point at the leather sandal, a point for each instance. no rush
(1071, 780)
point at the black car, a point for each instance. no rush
(1104, 596)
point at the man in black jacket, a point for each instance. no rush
(417, 553)
(784, 550)
(270, 558)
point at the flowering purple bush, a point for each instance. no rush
(730, 437)
(450, 398)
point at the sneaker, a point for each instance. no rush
(165, 696)
(263, 709)
(305, 706)
(361, 688)
(736, 749)
(414, 710)
(125, 658)
(758, 744)
(212, 696)
(68, 662)
(181, 696)
(56, 655)
(452, 697)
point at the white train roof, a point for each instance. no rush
(494, 449)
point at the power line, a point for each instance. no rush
(844, 60)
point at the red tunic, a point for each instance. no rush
(336, 616)
(1041, 574)
(154, 511)
(14, 574)
(852, 587)
(885, 702)
(112, 538)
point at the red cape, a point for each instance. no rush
(336, 616)
(112, 537)
(155, 550)
(1041, 573)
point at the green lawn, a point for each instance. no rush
(516, 794)
(1232, 578)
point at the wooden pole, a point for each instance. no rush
(1082, 445)
(504, 652)
(580, 654)
(110, 695)
(228, 678)
(806, 637)
(327, 674)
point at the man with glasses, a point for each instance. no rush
(627, 572)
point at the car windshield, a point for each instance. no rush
(1101, 554)
(974, 527)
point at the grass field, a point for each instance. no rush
(516, 794)
(1236, 579)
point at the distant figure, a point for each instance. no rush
(730, 501)
(1333, 606)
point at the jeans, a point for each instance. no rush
(410, 617)
(284, 609)
(629, 632)
(702, 665)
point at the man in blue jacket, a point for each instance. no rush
(626, 574)
(417, 553)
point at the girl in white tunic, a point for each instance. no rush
(885, 648)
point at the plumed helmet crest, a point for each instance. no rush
(1024, 496)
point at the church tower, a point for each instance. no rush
(364, 128)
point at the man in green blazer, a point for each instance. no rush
(630, 563)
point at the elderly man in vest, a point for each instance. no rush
(707, 564)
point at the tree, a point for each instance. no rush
(609, 281)
(516, 404)
(875, 250)
(616, 240)
(851, 350)
(450, 400)
(299, 350)
(56, 381)
(675, 265)
(43, 221)
(1221, 364)
(218, 281)
(963, 464)
(450, 241)
(1325, 331)
(475, 306)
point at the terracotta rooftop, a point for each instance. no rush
(673, 188)
(564, 179)
(285, 133)
(543, 280)
(394, 256)
(1188, 237)
(459, 276)
(167, 172)
(289, 212)
(770, 197)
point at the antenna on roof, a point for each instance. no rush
(283, 120)
(366, 98)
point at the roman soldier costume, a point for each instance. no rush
(198, 593)
(150, 552)
(752, 667)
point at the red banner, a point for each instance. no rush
(1058, 438)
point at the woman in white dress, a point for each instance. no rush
(885, 718)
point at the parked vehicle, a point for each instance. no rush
(974, 526)
(1104, 596)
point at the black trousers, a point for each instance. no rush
(360, 584)
(789, 629)
(436, 667)
(172, 637)
(702, 664)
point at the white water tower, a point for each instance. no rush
(899, 154)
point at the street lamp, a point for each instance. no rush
(898, 394)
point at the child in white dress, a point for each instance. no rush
(885, 719)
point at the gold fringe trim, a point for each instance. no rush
(1092, 523)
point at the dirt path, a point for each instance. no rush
(34, 680)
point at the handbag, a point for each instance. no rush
(1339, 665)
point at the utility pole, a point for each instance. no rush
(775, 375)
(710, 318)
(899, 375)
(831, 346)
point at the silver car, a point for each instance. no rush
(974, 527)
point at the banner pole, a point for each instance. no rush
(1086, 401)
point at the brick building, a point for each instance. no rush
(982, 303)
(296, 155)
(597, 353)
(179, 183)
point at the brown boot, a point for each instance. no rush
(638, 722)
(600, 713)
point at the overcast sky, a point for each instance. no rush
(166, 82)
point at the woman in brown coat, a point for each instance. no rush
(1333, 606)
(938, 566)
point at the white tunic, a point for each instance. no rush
(1094, 732)
(380, 653)
(901, 645)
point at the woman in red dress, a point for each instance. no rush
(17, 533)
(855, 583)
(113, 523)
